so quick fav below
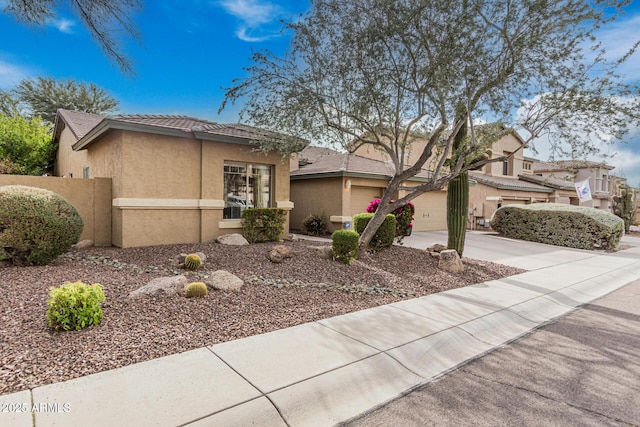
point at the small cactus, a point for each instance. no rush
(192, 262)
(196, 289)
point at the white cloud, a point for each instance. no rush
(63, 25)
(256, 18)
(10, 75)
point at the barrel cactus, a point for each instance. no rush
(192, 262)
(196, 289)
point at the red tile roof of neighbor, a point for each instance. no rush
(556, 183)
(507, 183)
(324, 161)
(563, 165)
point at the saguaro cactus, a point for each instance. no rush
(458, 199)
(624, 206)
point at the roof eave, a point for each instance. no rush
(207, 136)
(334, 174)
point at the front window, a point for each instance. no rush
(245, 186)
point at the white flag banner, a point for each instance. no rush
(583, 190)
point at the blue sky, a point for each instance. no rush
(192, 49)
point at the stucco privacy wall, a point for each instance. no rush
(91, 197)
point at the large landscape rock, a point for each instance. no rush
(279, 253)
(235, 239)
(224, 281)
(324, 252)
(162, 286)
(450, 261)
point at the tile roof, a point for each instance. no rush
(556, 183)
(183, 123)
(507, 183)
(563, 165)
(330, 162)
(92, 125)
(78, 122)
(311, 153)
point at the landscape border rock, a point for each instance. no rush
(222, 280)
(162, 286)
(234, 239)
(450, 261)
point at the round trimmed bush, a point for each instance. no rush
(36, 225)
(74, 306)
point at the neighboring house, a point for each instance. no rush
(511, 182)
(341, 185)
(495, 185)
(601, 181)
(175, 179)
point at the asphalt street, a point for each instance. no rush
(581, 370)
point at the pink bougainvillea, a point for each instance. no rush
(404, 217)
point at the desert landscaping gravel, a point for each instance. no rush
(301, 289)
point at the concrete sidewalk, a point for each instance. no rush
(326, 372)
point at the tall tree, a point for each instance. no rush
(42, 97)
(25, 145)
(104, 19)
(379, 72)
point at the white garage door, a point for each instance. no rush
(431, 211)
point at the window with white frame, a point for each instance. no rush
(246, 185)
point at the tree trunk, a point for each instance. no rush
(379, 215)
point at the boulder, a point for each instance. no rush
(234, 239)
(162, 286)
(279, 253)
(224, 281)
(436, 249)
(290, 238)
(275, 257)
(178, 261)
(324, 252)
(83, 244)
(450, 261)
(282, 252)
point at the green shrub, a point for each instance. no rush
(559, 224)
(196, 289)
(192, 262)
(315, 225)
(344, 244)
(75, 306)
(263, 224)
(385, 234)
(36, 225)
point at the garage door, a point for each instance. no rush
(361, 196)
(431, 211)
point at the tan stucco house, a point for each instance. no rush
(511, 181)
(175, 179)
(340, 185)
(601, 180)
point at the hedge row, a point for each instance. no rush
(559, 224)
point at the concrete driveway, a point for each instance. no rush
(489, 246)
